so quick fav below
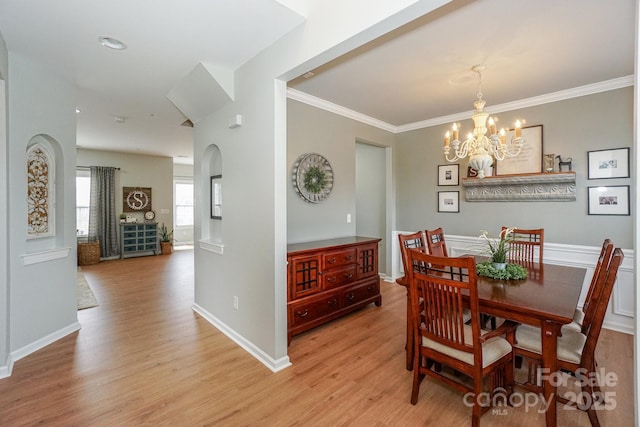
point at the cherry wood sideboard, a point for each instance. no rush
(330, 278)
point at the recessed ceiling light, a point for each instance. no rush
(111, 43)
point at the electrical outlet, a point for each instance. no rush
(348, 218)
(235, 302)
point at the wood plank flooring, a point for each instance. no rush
(144, 357)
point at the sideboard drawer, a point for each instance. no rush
(339, 277)
(307, 311)
(360, 293)
(338, 258)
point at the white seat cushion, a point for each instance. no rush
(492, 350)
(576, 324)
(570, 344)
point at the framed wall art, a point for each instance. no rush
(608, 163)
(448, 175)
(612, 200)
(216, 197)
(449, 201)
(136, 199)
(530, 158)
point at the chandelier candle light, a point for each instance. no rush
(479, 147)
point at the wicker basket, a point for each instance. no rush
(89, 253)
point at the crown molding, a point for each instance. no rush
(339, 110)
(561, 95)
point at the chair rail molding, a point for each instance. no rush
(554, 186)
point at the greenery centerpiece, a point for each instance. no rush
(498, 249)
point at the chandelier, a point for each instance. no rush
(479, 147)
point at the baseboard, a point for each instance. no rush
(6, 370)
(44, 341)
(274, 365)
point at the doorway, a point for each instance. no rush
(371, 196)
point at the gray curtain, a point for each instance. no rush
(103, 223)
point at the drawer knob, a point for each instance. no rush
(348, 258)
(348, 275)
(351, 296)
(331, 279)
(331, 260)
(304, 314)
(333, 301)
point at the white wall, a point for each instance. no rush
(4, 197)
(42, 293)
(255, 171)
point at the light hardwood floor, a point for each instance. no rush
(144, 357)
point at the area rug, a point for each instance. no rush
(86, 298)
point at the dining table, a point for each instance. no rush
(546, 298)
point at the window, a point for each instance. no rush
(184, 202)
(83, 193)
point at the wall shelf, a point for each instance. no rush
(554, 186)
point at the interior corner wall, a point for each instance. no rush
(253, 265)
(4, 197)
(570, 128)
(42, 295)
(138, 170)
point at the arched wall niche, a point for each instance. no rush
(211, 166)
(44, 164)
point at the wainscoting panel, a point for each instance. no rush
(620, 313)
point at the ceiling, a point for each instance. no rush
(416, 74)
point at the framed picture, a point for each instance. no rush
(448, 201)
(609, 163)
(530, 158)
(216, 197)
(449, 174)
(136, 199)
(613, 200)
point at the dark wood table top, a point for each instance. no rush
(550, 292)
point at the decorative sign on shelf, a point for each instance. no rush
(136, 199)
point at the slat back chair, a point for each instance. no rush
(445, 288)
(415, 240)
(525, 245)
(591, 300)
(418, 241)
(436, 243)
(576, 350)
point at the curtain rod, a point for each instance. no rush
(87, 167)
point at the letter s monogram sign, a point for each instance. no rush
(136, 199)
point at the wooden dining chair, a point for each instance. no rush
(590, 301)
(526, 245)
(415, 240)
(436, 243)
(444, 288)
(576, 350)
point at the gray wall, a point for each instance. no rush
(138, 170)
(570, 128)
(311, 130)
